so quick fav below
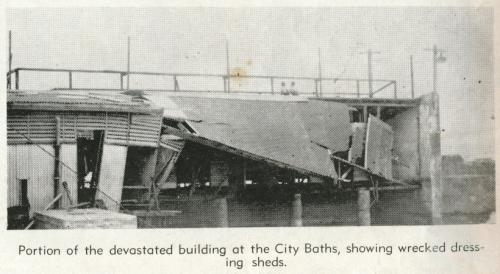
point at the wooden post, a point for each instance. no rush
(9, 86)
(364, 218)
(411, 78)
(316, 87)
(70, 80)
(357, 89)
(128, 63)
(17, 79)
(176, 83)
(221, 212)
(228, 70)
(296, 210)
(57, 167)
(365, 114)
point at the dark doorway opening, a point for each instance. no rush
(89, 154)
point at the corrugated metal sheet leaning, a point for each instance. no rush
(294, 134)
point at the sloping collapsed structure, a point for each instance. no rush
(118, 147)
(234, 141)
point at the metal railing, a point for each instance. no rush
(225, 81)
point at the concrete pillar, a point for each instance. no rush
(364, 218)
(296, 211)
(221, 212)
(434, 142)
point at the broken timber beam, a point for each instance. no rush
(368, 171)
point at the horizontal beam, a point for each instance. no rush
(368, 171)
(195, 74)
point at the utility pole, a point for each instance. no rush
(228, 71)
(411, 77)
(435, 60)
(370, 53)
(128, 62)
(434, 140)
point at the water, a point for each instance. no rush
(466, 200)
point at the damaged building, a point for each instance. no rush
(80, 139)
(127, 149)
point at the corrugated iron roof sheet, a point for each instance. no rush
(284, 131)
(78, 101)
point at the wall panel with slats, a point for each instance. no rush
(121, 128)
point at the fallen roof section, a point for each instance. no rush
(293, 134)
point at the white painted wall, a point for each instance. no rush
(111, 175)
(31, 162)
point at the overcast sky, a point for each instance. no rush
(279, 41)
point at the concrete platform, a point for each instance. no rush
(83, 219)
(155, 218)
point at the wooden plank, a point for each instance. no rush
(358, 144)
(111, 175)
(378, 148)
(390, 180)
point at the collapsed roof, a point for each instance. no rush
(294, 133)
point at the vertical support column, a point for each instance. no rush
(272, 85)
(121, 81)
(57, 166)
(378, 111)
(365, 114)
(357, 89)
(70, 80)
(17, 79)
(221, 212)
(228, 70)
(395, 89)
(370, 75)
(296, 210)
(9, 85)
(320, 74)
(411, 77)
(316, 87)
(128, 63)
(176, 83)
(435, 158)
(364, 218)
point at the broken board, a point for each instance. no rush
(358, 142)
(378, 149)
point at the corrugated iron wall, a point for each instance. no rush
(32, 163)
(121, 128)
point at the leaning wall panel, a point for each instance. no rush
(111, 175)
